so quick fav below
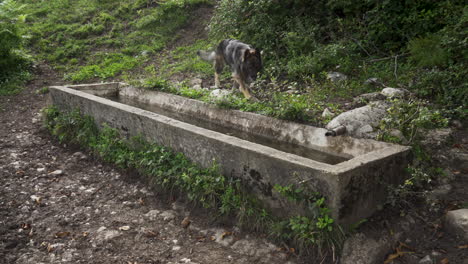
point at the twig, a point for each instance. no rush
(389, 57)
(359, 44)
(396, 67)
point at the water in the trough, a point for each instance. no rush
(207, 124)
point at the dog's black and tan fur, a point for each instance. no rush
(245, 62)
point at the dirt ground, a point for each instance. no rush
(60, 205)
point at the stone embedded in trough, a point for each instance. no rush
(359, 121)
(352, 174)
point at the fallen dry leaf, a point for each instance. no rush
(49, 247)
(62, 234)
(463, 246)
(151, 233)
(186, 222)
(225, 234)
(398, 253)
(141, 201)
(444, 261)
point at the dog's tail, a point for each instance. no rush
(207, 55)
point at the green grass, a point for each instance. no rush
(96, 39)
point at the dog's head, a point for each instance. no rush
(251, 64)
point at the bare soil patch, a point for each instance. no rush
(61, 205)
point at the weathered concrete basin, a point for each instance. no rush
(353, 174)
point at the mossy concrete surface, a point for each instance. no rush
(353, 188)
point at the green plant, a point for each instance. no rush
(428, 51)
(175, 174)
(411, 118)
(13, 60)
(43, 90)
(317, 227)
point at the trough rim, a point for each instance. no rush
(336, 169)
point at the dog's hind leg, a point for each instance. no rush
(244, 90)
(218, 65)
(235, 85)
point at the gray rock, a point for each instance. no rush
(168, 215)
(56, 172)
(360, 249)
(457, 124)
(219, 94)
(145, 53)
(440, 191)
(398, 134)
(369, 97)
(374, 82)
(436, 138)
(254, 248)
(197, 87)
(79, 155)
(327, 113)
(456, 223)
(426, 260)
(195, 81)
(222, 238)
(336, 76)
(394, 92)
(153, 214)
(362, 117)
(106, 235)
(362, 131)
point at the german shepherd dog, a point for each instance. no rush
(245, 62)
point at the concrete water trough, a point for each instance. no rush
(353, 174)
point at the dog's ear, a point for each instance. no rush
(249, 53)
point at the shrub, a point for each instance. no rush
(13, 61)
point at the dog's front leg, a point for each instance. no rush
(218, 65)
(242, 86)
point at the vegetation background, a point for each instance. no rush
(417, 45)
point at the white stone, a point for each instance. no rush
(361, 249)
(426, 260)
(393, 92)
(56, 172)
(176, 248)
(168, 215)
(152, 214)
(362, 117)
(336, 76)
(218, 93)
(195, 81)
(456, 223)
(327, 113)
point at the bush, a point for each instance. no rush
(13, 61)
(302, 39)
